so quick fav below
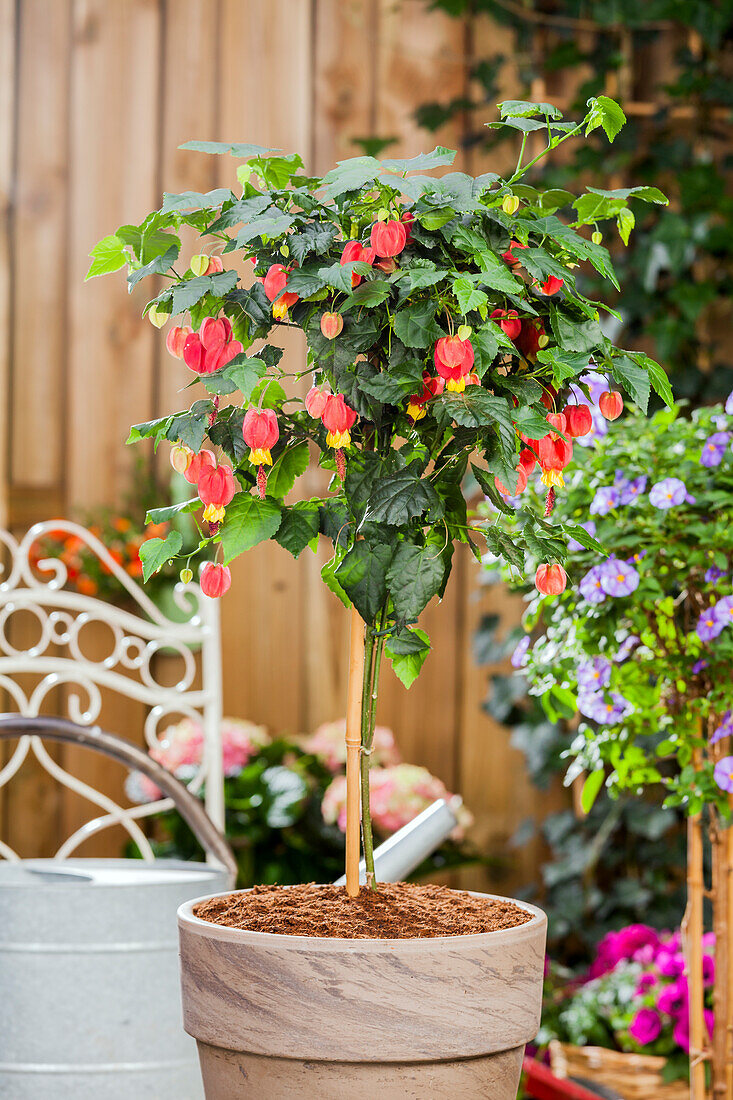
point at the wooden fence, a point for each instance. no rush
(95, 97)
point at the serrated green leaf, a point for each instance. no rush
(299, 526)
(393, 386)
(155, 429)
(195, 200)
(438, 158)
(657, 376)
(248, 521)
(633, 378)
(402, 496)
(163, 515)
(466, 294)
(489, 489)
(605, 112)
(522, 108)
(108, 255)
(407, 651)
(413, 578)
(154, 553)
(363, 575)
(290, 465)
(350, 175)
(368, 294)
(436, 219)
(415, 324)
(190, 291)
(575, 336)
(580, 535)
(157, 266)
(239, 150)
(626, 222)
(328, 576)
(265, 225)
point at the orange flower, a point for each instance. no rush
(87, 586)
(121, 524)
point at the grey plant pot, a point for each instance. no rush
(277, 1017)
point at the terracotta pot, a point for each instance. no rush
(278, 1017)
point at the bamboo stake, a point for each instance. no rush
(353, 751)
(721, 993)
(729, 974)
(692, 929)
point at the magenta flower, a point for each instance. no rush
(723, 774)
(645, 983)
(624, 944)
(645, 1026)
(708, 970)
(618, 578)
(669, 492)
(714, 448)
(594, 674)
(573, 545)
(670, 963)
(674, 998)
(606, 498)
(590, 586)
(681, 1033)
(708, 626)
(519, 654)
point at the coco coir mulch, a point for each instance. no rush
(395, 911)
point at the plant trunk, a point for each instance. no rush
(353, 749)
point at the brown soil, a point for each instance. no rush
(396, 911)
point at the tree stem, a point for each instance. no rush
(353, 750)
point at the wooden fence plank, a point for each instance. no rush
(8, 118)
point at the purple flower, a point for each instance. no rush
(594, 674)
(668, 492)
(627, 647)
(699, 666)
(714, 448)
(709, 1017)
(606, 498)
(725, 729)
(723, 610)
(713, 574)
(618, 578)
(517, 657)
(594, 705)
(708, 626)
(573, 545)
(645, 1026)
(590, 586)
(723, 774)
(729, 404)
(633, 489)
(674, 998)
(637, 557)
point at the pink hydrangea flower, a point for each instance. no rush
(139, 788)
(398, 795)
(328, 743)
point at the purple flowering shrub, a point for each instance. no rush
(633, 998)
(640, 644)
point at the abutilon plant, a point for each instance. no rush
(445, 317)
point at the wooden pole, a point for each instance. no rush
(721, 993)
(692, 930)
(353, 751)
(729, 974)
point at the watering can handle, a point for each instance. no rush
(190, 808)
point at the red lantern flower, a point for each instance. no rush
(216, 487)
(261, 432)
(181, 458)
(197, 465)
(407, 220)
(315, 402)
(554, 453)
(521, 483)
(508, 257)
(508, 321)
(611, 404)
(550, 286)
(215, 579)
(338, 420)
(212, 347)
(531, 338)
(527, 459)
(388, 238)
(354, 250)
(453, 361)
(579, 420)
(558, 422)
(176, 338)
(416, 403)
(550, 580)
(331, 325)
(274, 284)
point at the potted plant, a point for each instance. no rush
(443, 322)
(641, 649)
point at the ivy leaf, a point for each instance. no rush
(304, 282)
(414, 577)
(290, 465)
(466, 294)
(157, 266)
(154, 553)
(195, 200)
(633, 378)
(393, 386)
(363, 576)
(415, 325)
(189, 428)
(108, 255)
(163, 515)
(475, 407)
(496, 274)
(299, 527)
(247, 522)
(241, 151)
(401, 497)
(350, 175)
(407, 650)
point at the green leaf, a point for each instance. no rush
(391, 387)
(243, 372)
(189, 427)
(415, 324)
(314, 238)
(162, 515)
(190, 291)
(304, 282)
(425, 274)
(591, 790)
(264, 225)
(605, 112)
(157, 266)
(581, 535)
(401, 497)
(439, 158)
(108, 255)
(578, 336)
(475, 407)
(634, 379)
(407, 650)
(657, 376)
(489, 488)
(154, 553)
(339, 275)
(291, 464)
(496, 274)
(156, 429)
(372, 293)
(299, 527)
(195, 200)
(350, 175)
(522, 108)
(414, 577)
(466, 294)
(363, 576)
(435, 219)
(328, 576)
(646, 194)
(241, 151)
(626, 222)
(247, 522)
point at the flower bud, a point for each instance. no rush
(579, 420)
(181, 458)
(186, 576)
(464, 332)
(597, 237)
(550, 580)
(158, 316)
(176, 339)
(510, 204)
(331, 325)
(315, 402)
(215, 579)
(199, 264)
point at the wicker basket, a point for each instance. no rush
(633, 1076)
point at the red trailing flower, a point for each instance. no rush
(531, 338)
(261, 432)
(215, 579)
(579, 420)
(274, 283)
(197, 465)
(176, 339)
(355, 250)
(453, 361)
(407, 219)
(216, 487)
(550, 580)
(212, 347)
(388, 238)
(554, 454)
(416, 403)
(508, 257)
(611, 404)
(331, 325)
(521, 483)
(527, 459)
(315, 402)
(338, 420)
(550, 285)
(508, 321)
(558, 422)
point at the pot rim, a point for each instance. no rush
(187, 919)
